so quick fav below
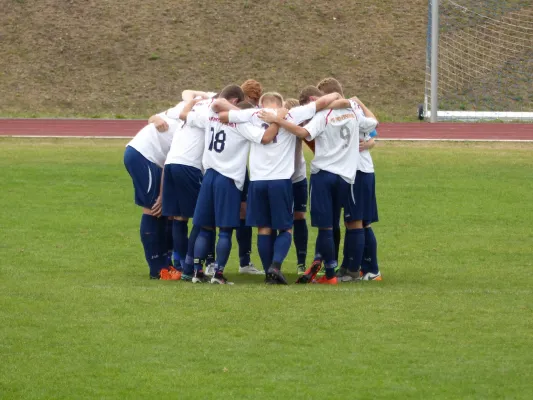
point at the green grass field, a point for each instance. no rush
(451, 319)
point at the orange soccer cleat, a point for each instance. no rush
(327, 281)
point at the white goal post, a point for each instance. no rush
(479, 60)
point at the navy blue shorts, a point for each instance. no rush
(329, 194)
(146, 177)
(219, 202)
(244, 194)
(181, 186)
(366, 207)
(270, 204)
(299, 190)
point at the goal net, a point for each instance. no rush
(485, 60)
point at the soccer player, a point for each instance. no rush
(365, 194)
(252, 93)
(181, 184)
(336, 134)
(144, 158)
(219, 202)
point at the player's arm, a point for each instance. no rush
(188, 95)
(325, 101)
(270, 133)
(340, 104)
(366, 111)
(157, 208)
(222, 105)
(282, 123)
(160, 124)
(187, 109)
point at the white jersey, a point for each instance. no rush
(365, 163)
(188, 143)
(279, 158)
(297, 115)
(155, 145)
(227, 146)
(336, 134)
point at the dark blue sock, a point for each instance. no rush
(223, 248)
(356, 246)
(201, 248)
(152, 233)
(326, 248)
(244, 239)
(265, 249)
(337, 240)
(301, 237)
(188, 264)
(181, 241)
(282, 245)
(210, 259)
(370, 254)
(169, 241)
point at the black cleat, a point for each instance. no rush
(275, 275)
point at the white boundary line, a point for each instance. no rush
(379, 139)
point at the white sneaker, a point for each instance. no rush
(210, 270)
(369, 276)
(250, 270)
(219, 279)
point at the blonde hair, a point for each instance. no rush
(290, 103)
(271, 96)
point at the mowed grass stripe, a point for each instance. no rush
(452, 318)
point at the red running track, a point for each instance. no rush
(398, 131)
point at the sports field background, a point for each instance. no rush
(451, 319)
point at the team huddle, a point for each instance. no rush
(233, 161)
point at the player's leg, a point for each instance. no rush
(322, 205)
(244, 235)
(227, 217)
(300, 230)
(281, 202)
(146, 178)
(258, 215)
(204, 217)
(354, 205)
(169, 210)
(369, 265)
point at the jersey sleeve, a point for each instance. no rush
(197, 118)
(367, 125)
(297, 115)
(251, 132)
(316, 126)
(240, 116)
(175, 111)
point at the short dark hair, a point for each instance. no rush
(244, 105)
(232, 92)
(307, 92)
(330, 85)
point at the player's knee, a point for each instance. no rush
(264, 231)
(243, 210)
(354, 224)
(181, 219)
(299, 215)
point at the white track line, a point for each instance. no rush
(379, 139)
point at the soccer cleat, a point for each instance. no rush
(327, 281)
(369, 276)
(164, 274)
(275, 275)
(350, 276)
(186, 278)
(341, 272)
(175, 274)
(300, 269)
(220, 279)
(250, 269)
(199, 277)
(154, 277)
(210, 269)
(311, 272)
